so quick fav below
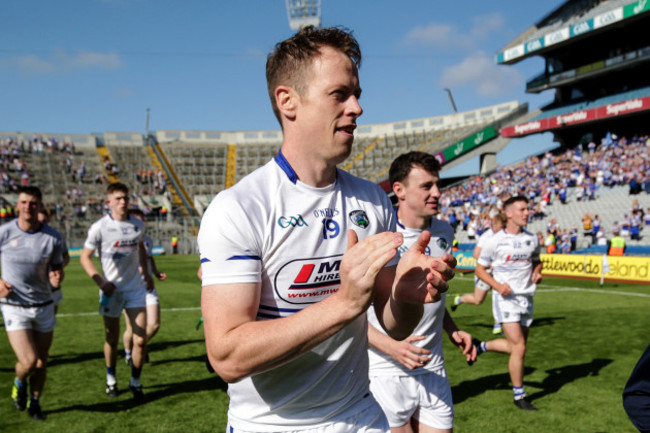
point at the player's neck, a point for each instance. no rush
(513, 229)
(28, 226)
(412, 221)
(310, 170)
(119, 217)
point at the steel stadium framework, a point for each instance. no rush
(302, 13)
(597, 60)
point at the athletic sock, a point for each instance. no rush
(519, 392)
(135, 376)
(18, 383)
(111, 379)
(481, 348)
(33, 401)
(127, 353)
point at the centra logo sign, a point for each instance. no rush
(305, 281)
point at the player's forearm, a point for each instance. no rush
(484, 275)
(257, 346)
(143, 259)
(448, 324)
(379, 340)
(88, 266)
(400, 318)
(153, 267)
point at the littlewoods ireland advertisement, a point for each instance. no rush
(631, 269)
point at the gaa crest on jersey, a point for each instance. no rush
(292, 221)
(306, 281)
(13, 243)
(359, 218)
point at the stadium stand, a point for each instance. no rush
(597, 60)
(612, 167)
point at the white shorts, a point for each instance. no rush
(112, 306)
(41, 319)
(425, 397)
(480, 284)
(152, 298)
(369, 420)
(57, 296)
(513, 309)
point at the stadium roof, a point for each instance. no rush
(572, 19)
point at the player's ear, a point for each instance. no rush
(285, 99)
(398, 190)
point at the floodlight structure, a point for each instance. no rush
(302, 13)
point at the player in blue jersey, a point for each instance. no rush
(30, 251)
(119, 239)
(294, 254)
(408, 377)
(513, 254)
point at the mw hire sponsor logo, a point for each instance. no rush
(308, 280)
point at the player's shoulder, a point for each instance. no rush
(441, 228)
(246, 199)
(51, 231)
(8, 227)
(363, 191)
(254, 186)
(496, 237)
(136, 222)
(101, 222)
(529, 236)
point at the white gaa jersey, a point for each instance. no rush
(272, 229)
(26, 259)
(430, 326)
(511, 257)
(485, 236)
(117, 243)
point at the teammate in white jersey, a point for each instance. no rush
(481, 288)
(408, 377)
(152, 301)
(29, 252)
(293, 255)
(119, 239)
(513, 254)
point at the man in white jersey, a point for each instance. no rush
(294, 254)
(408, 377)
(119, 239)
(153, 303)
(513, 254)
(481, 288)
(29, 252)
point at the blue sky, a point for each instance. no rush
(96, 65)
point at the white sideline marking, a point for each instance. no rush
(96, 313)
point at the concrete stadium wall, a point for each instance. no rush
(79, 140)
(480, 116)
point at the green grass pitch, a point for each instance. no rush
(582, 347)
